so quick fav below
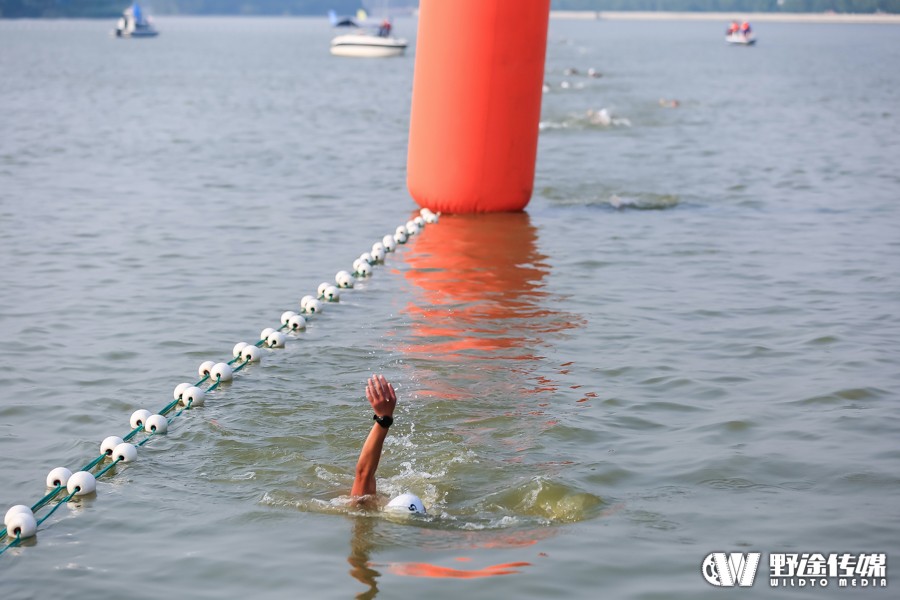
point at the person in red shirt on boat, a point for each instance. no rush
(745, 28)
(385, 29)
(381, 395)
(733, 28)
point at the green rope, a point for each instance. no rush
(58, 504)
(15, 542)
(108, 467)
(169, 406)
(133, 433)
(46, 499)
(93, 463)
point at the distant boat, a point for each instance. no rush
(367, 45)
(133, 23)
(369, 42)
(743, 39)
(741, 35)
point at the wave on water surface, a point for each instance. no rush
(614, 200)
(539, 501)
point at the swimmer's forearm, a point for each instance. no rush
(364, 483)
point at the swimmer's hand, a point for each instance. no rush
(380, 394)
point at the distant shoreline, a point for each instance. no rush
(858, 18)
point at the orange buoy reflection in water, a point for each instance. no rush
(479, 289)
(429, 570)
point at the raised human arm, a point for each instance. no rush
(380, 394)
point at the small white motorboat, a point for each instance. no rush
(367, 45)
(134, 24)
(739, 38)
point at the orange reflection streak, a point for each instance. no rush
(478, 282)
(428, 570)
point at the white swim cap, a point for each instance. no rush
(407, 503)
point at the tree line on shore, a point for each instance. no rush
(110, 8)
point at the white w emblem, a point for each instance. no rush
(725, 570)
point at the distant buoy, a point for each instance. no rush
(222, 372)
(58, 476)
(192, 397)
(21, 524)
(332, 294)
(109, 444)
(125, 452)
(139, 417)
(154, 424)
(251, 353)
(343, 279)
(297, 323)
(179, 389)
(16, 510)
(82, 483)
(476, 105)
(276, 339)
(205, 367)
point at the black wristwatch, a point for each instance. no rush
(385, 421)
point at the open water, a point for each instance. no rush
(687, 344)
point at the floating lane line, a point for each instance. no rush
(21, 522)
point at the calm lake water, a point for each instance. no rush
(687, 344)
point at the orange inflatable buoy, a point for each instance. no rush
(476, 104)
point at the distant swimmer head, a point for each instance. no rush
(408, 503)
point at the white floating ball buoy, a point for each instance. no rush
(155, 424)
(297, 323)
(125, 452)
(18, 509)
(420, 221)
(109, 443)
(320, 291)
(192, 397)
(58, 477)
(429, 216)
(286, 316)
(401, 236)
(265, 333)
(390, 244)
(332, 294)
(205, 367)
(356, 264)
(304, 301)
(222, 372)
(82, 483)
(22, 525)
(412, 228)
(236, 351)
(314, 306)
(179, 389)
(139, 417)
(378, 252)
(251, 354)
(366, 257)
(275, 340)
(343, 279)
(363, 269)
